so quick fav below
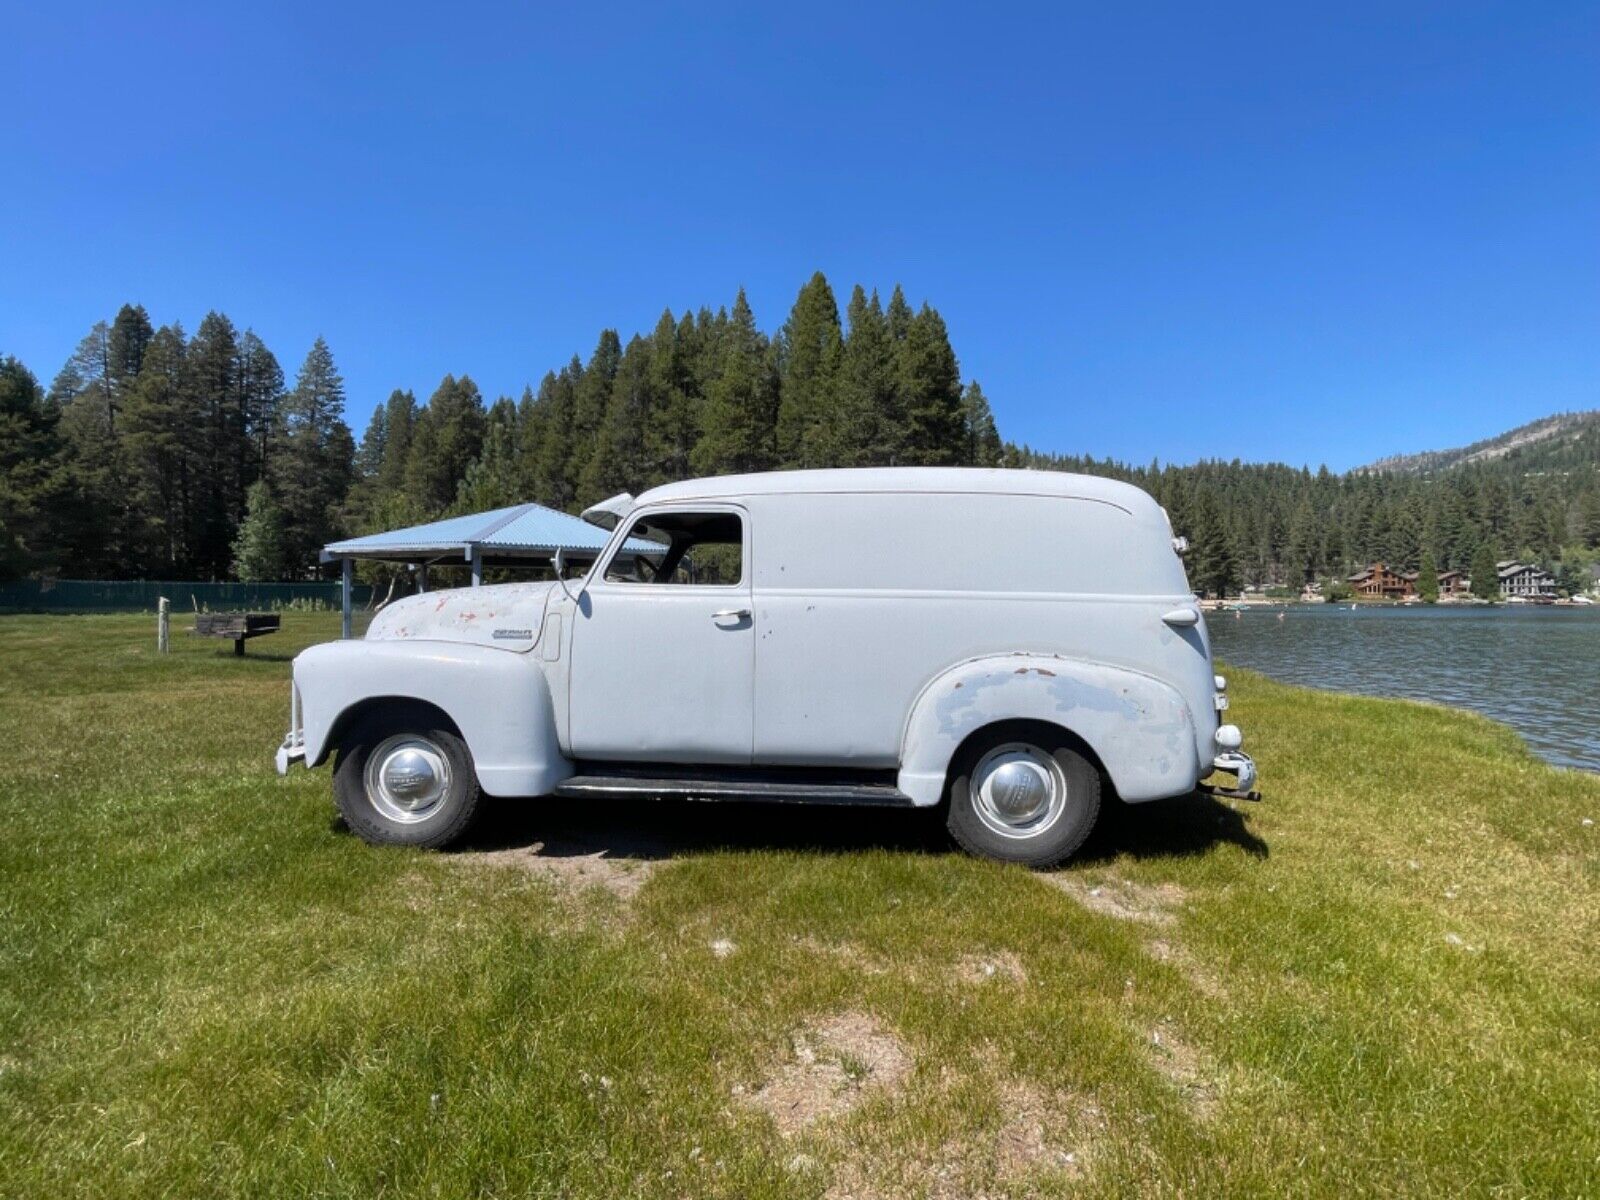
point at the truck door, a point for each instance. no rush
(663, 644)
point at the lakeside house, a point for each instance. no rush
(1524, 581)
(1454, 584)
(1380, 582)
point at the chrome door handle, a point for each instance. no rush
(735, 613)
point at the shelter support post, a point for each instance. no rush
(346, 570)
(477, 567)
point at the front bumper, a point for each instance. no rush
(293, 748)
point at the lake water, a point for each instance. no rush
(1534, 667)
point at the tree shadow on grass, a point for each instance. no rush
(654, 830)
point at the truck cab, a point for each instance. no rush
(1007, 644)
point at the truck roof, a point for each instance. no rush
(981, 480)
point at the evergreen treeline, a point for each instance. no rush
(1267, 524)
(138, 461)
(156, 454)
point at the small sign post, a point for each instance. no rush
(163, 625)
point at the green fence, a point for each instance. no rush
(111, 595)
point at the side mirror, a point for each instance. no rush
(559, 562)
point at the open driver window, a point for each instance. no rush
(704, 549)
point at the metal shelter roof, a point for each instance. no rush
(522, 529)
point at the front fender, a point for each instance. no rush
(498, 699)
(1139, 727)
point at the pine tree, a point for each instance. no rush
(674, 421)
(217, 430)
(260, 394)
(552, 479)
(620, 462)
(92, 518)
(33, 476)
(1304, 543)
(399, 426)
(1589, 519)
(260, 551)
(125, 348)
(934, 430)
(369, 451)
(866, 386)
(162, 459)
(811, 348)
(492, 481)
(1485, 579)
(1402, 548)
(1428, 579)
(983, 439)
(1214, 567)
(532, 420)
(447, 439)
(312, 459)
(591, 396)
(740, 416)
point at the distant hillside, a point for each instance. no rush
(1550, 443)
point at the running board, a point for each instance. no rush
(772, 791)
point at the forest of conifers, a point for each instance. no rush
(155, 454)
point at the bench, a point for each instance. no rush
(236, 626)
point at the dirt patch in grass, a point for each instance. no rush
(1200, 977)
(1198, 1081)
(1156, 904)
(1043, 1132)
(845, 953)
(833, 1065)
(1044, 1137)
(1004, 967)
(570, 872)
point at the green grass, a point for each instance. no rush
(1382, 980)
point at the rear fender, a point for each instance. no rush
(498, 699)
(1137, 726)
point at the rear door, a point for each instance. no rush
(663, 644)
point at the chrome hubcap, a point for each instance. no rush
(1018, 790)
(407, 778)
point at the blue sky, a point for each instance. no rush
(1180, 231)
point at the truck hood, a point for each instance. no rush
(507, 616)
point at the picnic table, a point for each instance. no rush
(237, 626)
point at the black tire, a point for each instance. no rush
(1057, 838)
(444, 820)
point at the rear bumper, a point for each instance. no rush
(1243, 768)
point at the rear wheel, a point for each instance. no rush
(405, 779)
(1023, 794)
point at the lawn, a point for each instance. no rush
(1382, 980)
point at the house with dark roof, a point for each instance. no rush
(1524, 581)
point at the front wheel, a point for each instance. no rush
(404, 779)
(1023, 795)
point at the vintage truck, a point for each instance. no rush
(1008, 644)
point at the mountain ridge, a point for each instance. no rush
(1541, 442)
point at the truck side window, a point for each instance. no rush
(696, 549)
